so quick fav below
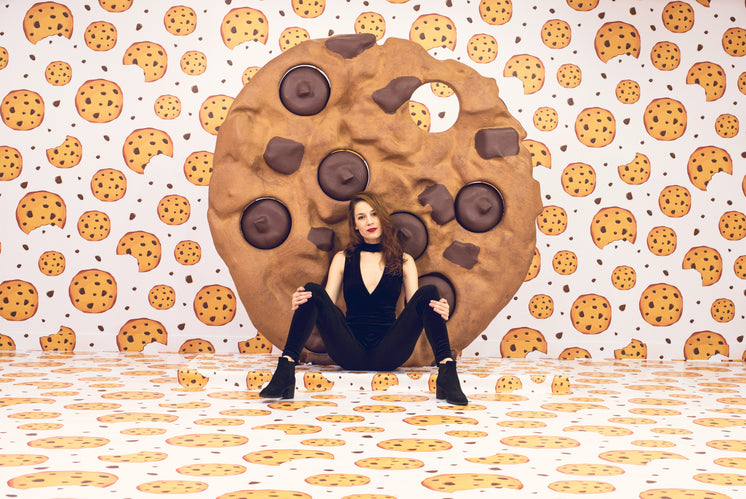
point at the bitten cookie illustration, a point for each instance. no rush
(332, 127)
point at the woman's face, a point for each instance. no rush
(367, 223)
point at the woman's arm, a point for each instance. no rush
(411, 284)
(334, 279)
(410, 277)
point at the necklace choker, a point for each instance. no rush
(372, 248)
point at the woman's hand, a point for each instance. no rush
(441, 307)
(300, 297)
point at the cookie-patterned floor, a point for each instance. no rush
(95, 425)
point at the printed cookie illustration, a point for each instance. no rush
(527, 68)
(723, 310)
(541, 306)
(545, 119)
(623, 277)
(213, 112)
(290, 37)
(198, 167)
(734, 42)
(193, 62)
(707, 261)
(519, 342)
(613, 224)
(665, 119)
(40, 208)
(67, 154)
(174, 209)
(705, 162)
(99, 101)
(705, 344)
(62, 341)
(162, 297)
(436, 197)
(552, 220)
(732, 225)
(19, 300)
(58, 73)
(191, 379)
(496, 12)
(470, 481)
(167, 107)
(94, 226)
(634, 350)
(675, 201)
(678, 17)
(22, 110)
(6, 342)
(257, 344)
(569, 75)
(316, 382)
(556, 34)
(591, 314)
(109, 184)
(662, 241)
(136, 334)
(371, 22)
(628, 91)
(637, 171)
(709, 76)
(432, 31)
(144, 246)
(47, 19)
(578, 179)
(665, 56)
(727, 126)
(595, 127)
(173, 487)
(617, 38)
(100, 36)
(11, 163)
(52, 263)
(242, 25)
(661, 304)
(540, 154)
(151, 58)
(309, 8)
(115, 5)
(573, 353)
(482, 48)
(215, 305)
(63, 479)
(143, 144)
(565, 262)
(188, 252)
(196, 345)
(180, 20)
(93, 291)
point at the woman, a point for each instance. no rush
(370, 273)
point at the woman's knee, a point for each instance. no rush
(313, 287)
(428, 292)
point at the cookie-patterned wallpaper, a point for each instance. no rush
(110, 111)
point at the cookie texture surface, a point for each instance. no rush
(279, 195)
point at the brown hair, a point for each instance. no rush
(390, 247)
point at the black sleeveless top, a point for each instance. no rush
(369, 315)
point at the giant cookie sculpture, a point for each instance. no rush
(328, 119)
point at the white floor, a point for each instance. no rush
(125, 427)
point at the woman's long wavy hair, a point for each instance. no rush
(390, 247)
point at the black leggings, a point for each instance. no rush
(346, 350)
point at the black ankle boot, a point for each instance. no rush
(282, 384)
(448, 386)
